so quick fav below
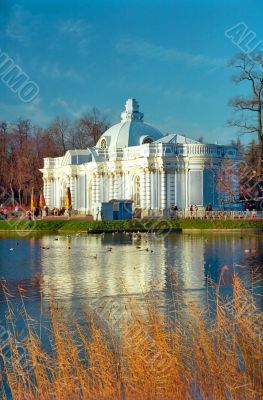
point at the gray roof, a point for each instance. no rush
(176, 139)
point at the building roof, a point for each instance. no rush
(131, 131)
(176, 139)
(76, 157)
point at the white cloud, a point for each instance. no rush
(71, 108)
(78, 31)
(146, 50)
(20, 25)
(54, 71)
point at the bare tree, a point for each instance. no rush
(22, 130)
(88, 129)
(59, 130)
(3, 153)
(99, 124)
(249, 108)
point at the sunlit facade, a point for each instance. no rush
(134, 161)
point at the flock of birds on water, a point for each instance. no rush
(137, 241)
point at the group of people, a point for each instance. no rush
(37, 212)
(8, 212)
(58, 212)
(15, 212)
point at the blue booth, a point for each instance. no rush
(116, 209)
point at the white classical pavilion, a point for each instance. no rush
(134, 161)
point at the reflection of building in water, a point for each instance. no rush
(82, 267)
(185, 265)
(185, 257)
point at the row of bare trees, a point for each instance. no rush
(23, 147)
(248, 107)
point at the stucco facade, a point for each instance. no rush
(135, 161)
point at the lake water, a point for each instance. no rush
(78, 269)
(107, 271)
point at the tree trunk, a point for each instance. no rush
(12, 195)
(260, 139)
(19, 196)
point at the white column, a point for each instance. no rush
(121, 191)
(111, 187)
(76, 192)
(143, 190)
(127, 186)
(93, 183)
(163, 190)
(102, 187)
(116, 186)
(72, 190)
(45, 188)
(97, 187)
(186, 187)
(57, 192)
(175, 188)
(148, 189)
(52, 192)
(105, 187)
(154, 193)
(48, 192)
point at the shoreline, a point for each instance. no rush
(130, 226)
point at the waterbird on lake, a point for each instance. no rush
(12, 249)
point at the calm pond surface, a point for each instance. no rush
(78, 269)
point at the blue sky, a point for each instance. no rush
(170, 55)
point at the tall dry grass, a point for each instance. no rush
(179, 353)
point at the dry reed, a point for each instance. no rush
(179, 353)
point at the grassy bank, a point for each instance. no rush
(149, 353)
(78, 225)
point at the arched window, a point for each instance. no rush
(137, 191)
(148, 139)
(103, 143)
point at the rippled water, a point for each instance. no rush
(74, 269)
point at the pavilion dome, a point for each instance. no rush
(131, 131)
